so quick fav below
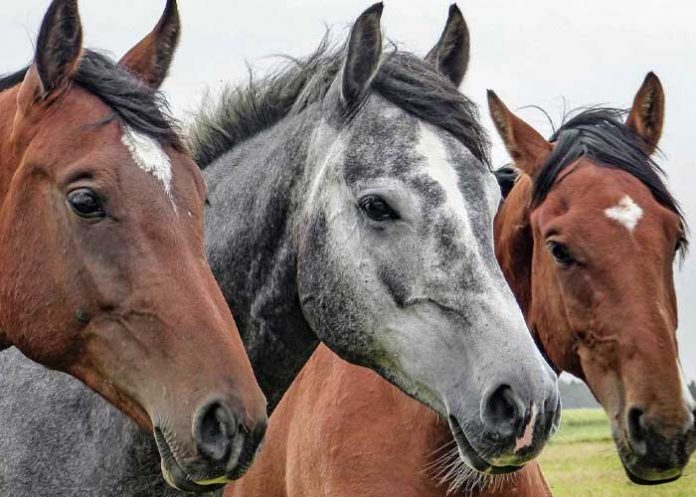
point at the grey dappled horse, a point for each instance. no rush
(350, 202)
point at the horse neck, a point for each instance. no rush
(514, 247)
(514, 243)
(254, 191)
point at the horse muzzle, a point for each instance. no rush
(649, 456)
(510, 431)
(224, 450)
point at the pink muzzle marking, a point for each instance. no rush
(528, 436)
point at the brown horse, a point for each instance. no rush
(104, 274)
(342, 431)
(586, 238)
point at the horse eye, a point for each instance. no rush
(86, 203)
(376, 208)
(561, 253)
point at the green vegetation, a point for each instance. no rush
(581, 461)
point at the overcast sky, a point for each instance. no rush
(541, 52)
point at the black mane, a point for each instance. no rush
(403, 79)
(507, 177)
(132, 101)
(600, 135)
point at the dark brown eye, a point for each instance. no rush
(86, 203)
(561, 253)
(376, 208)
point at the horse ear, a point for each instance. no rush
(364, 53)
(451, 53)
(151, 58)
(57, 50)
(648, 112)
(526, 146)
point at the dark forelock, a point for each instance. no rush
(133, 102)
(601, 135)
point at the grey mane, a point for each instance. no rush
(403, 79)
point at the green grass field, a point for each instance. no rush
(581, 461)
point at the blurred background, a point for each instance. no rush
(556, 55)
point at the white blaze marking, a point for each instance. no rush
(150, 157)
(528, 436)
(440, 168)
(627, 212)
(431, 147)
(332, 153)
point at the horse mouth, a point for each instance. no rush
(174, 474)
(641, 475)
(666, 478)
(635, 468)
(471, 456)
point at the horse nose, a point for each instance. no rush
(640, 428)
(509, 412)
(657, 449)
(644, 432)
(637, 432)
(214, 431)
(503, 411)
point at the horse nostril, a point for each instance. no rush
(636, 430)
(502, 411)
(214, 428)
(635, 427)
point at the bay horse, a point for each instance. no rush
(335, 215)
(587, 239)
(102, 254)
(342, 431)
